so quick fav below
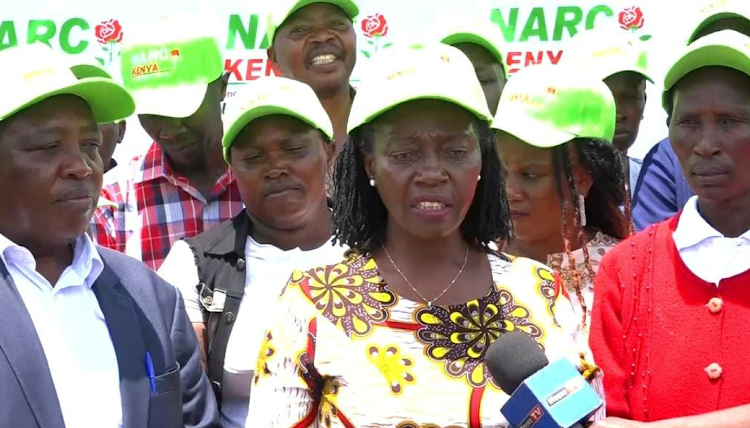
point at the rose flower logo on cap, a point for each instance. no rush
(167, 65)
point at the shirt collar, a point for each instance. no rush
(692, 228)
(155, 165)
(87, 263)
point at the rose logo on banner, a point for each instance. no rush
(632, 19)
(109, 34)
(375, 27)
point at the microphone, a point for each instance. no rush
(543, 395)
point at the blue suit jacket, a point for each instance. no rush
(662, 190)
(143, 313)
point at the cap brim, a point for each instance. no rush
(705, 56)
(244, 119)
(108, 101)
(530, 131)
(467, 37)
(83, 71)
(348, 6)
(612, 68)
(405, 100)
(710, 20)
(170, 101)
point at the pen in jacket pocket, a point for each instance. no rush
(150, 373)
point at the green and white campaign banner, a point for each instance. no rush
(528, 31)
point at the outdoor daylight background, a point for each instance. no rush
(91, 29)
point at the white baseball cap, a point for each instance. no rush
(422, 71)
(33, 73)
(274, 95)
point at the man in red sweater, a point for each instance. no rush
(671, 316)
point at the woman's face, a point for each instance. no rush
(280, 163)
(531, 184)
(425, 162)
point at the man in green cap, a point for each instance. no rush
(478, 42)
(181, 186)
(620, 60)
(313, 41)
(89, 337)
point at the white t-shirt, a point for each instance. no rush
(268, 269)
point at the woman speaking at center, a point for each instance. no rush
(396, 334)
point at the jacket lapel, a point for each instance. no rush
(127, 338)
(21, 346)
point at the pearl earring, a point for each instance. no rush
(372, 182)
(582, 209)
(479, 177)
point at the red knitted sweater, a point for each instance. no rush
(665, 351)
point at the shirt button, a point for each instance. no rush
(713, 371)
(715, 305)
(241, 264)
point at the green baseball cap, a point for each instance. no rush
(725, 48)
(547, 106)
(715, 10)
(406, 73)
(33, 73)
(606, 52)
(285, 8)
(274, 95)
(167, 65)
(478, 33)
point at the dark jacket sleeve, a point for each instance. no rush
(198, 402)
(655, 197)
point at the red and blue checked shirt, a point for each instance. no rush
(155, 207)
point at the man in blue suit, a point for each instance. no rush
(88, 337)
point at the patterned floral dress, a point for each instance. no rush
(346, 352)
(597, 248)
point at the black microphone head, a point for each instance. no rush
(512, 358)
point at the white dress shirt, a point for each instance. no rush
(73, 333)
(710, 255)
(268, 269)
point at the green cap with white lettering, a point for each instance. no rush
(547, 106)
(167, 65)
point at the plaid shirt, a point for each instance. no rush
(156, 207)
